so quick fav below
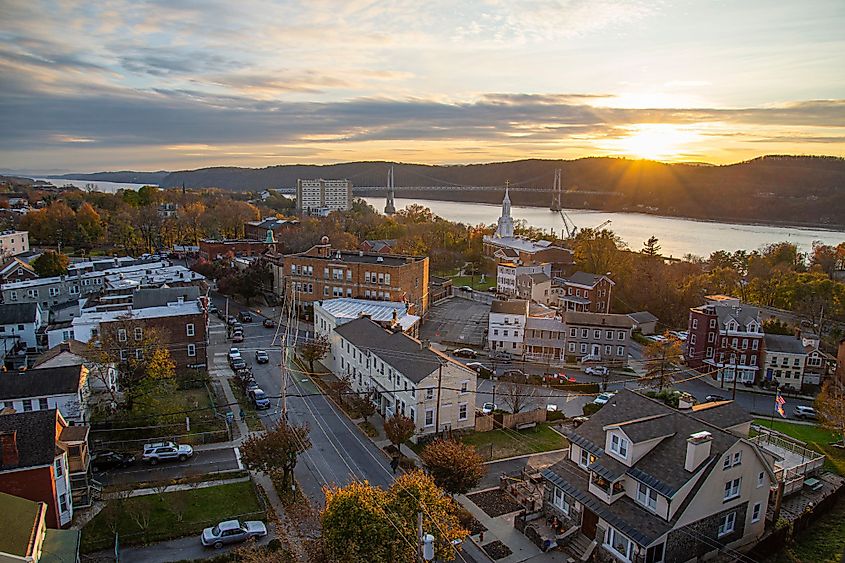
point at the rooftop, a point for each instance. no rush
(585, 279)
(514, 307)
(158, 297)
(17, 313)
(126, 270)
(71, 346)
(378, 311)
(598, 319)
(642, 317)
(169, 310)
(19, 520)
(521, 243)
(41, 382)
(35, 434)
(357, 256)
(785, 344)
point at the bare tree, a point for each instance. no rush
(515, 396)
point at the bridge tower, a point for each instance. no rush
(556, 193)
(390, 206)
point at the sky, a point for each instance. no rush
(181, 84)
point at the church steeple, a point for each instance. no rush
(505, 226)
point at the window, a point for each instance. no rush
(571, 346)
(63, 502)
(596, 334)
(620, 335)
(573, 332)
(695, 324)
(619, 544)
(692, 339)
(20, 327)
(139, 333)
(608, 335)
(761, 478)
(58, 466)
(732, 489)
(27, 405)
(559, 500)
(654, 554)
(42, 404)
(607, 349)
(189, 329)
(429, 393)
(121, 334)
(139, 354)
(464, 387)
(123, 355)
(429, 417)
(737, 458)
(54, 291)
(583, 347)
(620, 350)
(619, 445)
(13, 296)
(646, 497)
(462, 411)
(192, 350)
(726, 524)
(755, 512)
(584, 333)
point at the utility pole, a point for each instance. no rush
(437, 410)
(733, 361)
(494, 395)
(420, 537)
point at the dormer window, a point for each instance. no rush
(586, 458)
(619, 445)
(647, 497)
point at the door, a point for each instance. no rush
(596, 350)
(588, 523)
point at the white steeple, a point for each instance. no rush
(505, 226)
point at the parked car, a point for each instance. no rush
(232, 531)
(231, 320)
(237, 327)
(262, 357)
(804, 413)
(465, 353)
(515, 373)
(603, 398)
(480, 369)
(269, 323)
(500, 356)
(259, 398)
(245, 317)
(101, 461)
(212, 309)
(166, 451)
(596, 370)
(560, 376)
(221, 314)
(234, 354)
(250, 385)
(713, 398)
(487, 408)
(238, 336)
(238, 363)
(589, 358)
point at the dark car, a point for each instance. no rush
(262, 357)
(269, 323)
(101, 461)
(259, 399)
(713, 398)
(465, 353)
(212, 309)
(245, 317)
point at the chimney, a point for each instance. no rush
(9, 449)
(698, 450)
(180, 300)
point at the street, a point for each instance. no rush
(208, 460)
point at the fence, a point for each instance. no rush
(487, 422)
(100, 441)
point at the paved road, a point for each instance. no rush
(204, 461)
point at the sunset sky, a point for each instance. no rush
(176, 84)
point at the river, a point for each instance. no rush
(109, 187)
(677, 236)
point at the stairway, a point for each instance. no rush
(581, 547)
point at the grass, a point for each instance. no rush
(460, 281)
(498, 444)
(816, 438)
(822, 542)
(198, 508)
(253, 422)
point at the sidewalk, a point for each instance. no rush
(179, 487)
(756, 390)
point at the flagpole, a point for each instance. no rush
(772, 417)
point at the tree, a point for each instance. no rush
(50, 264)
(399, 429)
(776, 326)
(315, 350)
(650, 247)
(515, 396)
(454, 466)
(276, 452)
(364, 406)
(830, 406)
(660, 357)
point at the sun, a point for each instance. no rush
(654, 141)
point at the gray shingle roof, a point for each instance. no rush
(396, 349)
(611, 320)
(723, 414)
(743, 314)
(784, 343)
(583, 278)
(35, 437)
(40, 382)
(158, 297)
(642, 317)
(17, 313)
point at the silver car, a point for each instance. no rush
(166, 451)
(232, 531)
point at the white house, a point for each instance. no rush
(63, 388)
(506, 326)
(21, 321)
(402, 375)
(507, 273)
(785, 359)
(72, 353)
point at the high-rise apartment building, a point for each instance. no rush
(321, 197)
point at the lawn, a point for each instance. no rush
(816, 438)
(169, 515)
(253, 422)
(460, 281)
(823, 542)
(498, 444)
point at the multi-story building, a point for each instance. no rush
(330, 314)
(257, 230)
(785, 358)
(402, 375)
(536, 288)
(13, 243)
(545, 339)
(217, 249)
(182, 325)
(15, 270)
(840, 362)
(20, 324)
(318, 197)
(600, 337)
(584, 292)
(651, 484)
(378, 246)
(508, 272)
(43, 459)
(65, 388)
(506, 326)
(324, 273)
(725, 337)
(819, 366)
(26, 537)
(71, 353)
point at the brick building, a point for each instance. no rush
(379, 246)
(257, 230)
(211, 249)
(325, 273)
(726, 336)
(584, 292)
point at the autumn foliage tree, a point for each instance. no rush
(454, 466)
(50, 264)
(399, 429)
(830, 406)
(315, 350)
(277, 451)
(660, 360)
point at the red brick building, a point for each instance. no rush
(726, 337)
(216, 249)
(42, 459)
(378, 246)
(589, 293)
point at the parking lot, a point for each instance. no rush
(456, 321)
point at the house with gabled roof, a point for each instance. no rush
(583, 291)
(643, 482)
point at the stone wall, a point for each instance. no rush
(702, 536)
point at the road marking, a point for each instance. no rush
(238, 458)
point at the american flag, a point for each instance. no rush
(779, 402)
